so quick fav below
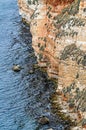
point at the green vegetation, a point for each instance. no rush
(72, 51)
(32, 2)
(72, 9)
(66, 20)
(40, 56)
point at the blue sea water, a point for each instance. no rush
(13, 97)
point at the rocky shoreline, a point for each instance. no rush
(59, 40)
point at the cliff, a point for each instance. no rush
(58, 30)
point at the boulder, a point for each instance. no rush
(16, 68)
(43, 120)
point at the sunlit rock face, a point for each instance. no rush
(58, 30)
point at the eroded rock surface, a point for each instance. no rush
(59, 39)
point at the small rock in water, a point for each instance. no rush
(16, 68)
(43, 120)
(31, 72)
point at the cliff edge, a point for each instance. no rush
(58, 30)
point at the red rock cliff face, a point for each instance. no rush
(59, 2)
(58, 28)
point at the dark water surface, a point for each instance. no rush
(23, 97)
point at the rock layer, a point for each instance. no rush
(59, 39)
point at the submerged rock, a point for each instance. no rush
(43, 120)
(50, 129)
(31, 72)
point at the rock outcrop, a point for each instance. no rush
(58, 30)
